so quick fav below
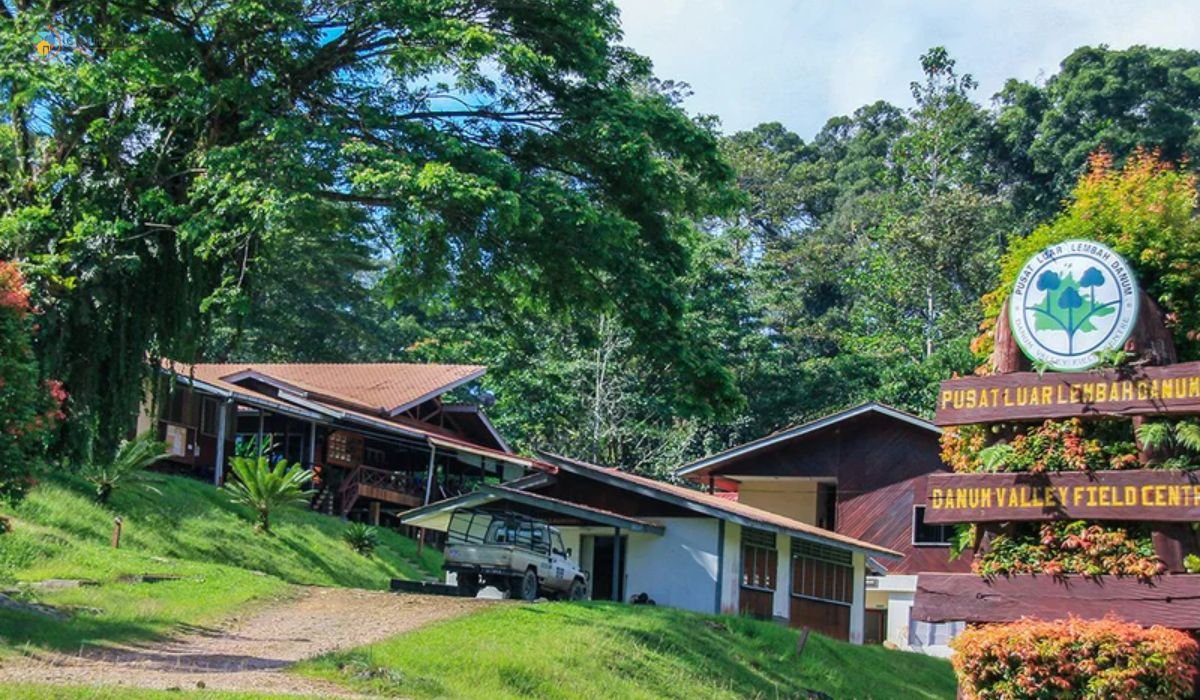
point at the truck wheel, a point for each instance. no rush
(468, 585)
(529, 586)
(577, 591)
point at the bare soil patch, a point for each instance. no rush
(249, 652)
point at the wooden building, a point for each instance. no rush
(380, 437)
(862, 474)
(685, 548)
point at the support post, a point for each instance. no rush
(312, 444)
(222, 427)
(373, 512)
(858, 600)
(262, 417)
(429, 477)
(616, 565)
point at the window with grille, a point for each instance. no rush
(760, 560)
(822, 572)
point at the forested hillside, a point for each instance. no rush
(506, 184)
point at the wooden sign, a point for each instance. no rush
(1144, 494)
(1173, 389)
(1172, 601)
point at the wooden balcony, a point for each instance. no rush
(375, 484)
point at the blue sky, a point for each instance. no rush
(800, 63)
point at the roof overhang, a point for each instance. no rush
(247, 399)
(714, 511)
(483, 420)
(435, 515)
(702, 465)
(397, 410)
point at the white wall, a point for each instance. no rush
(677, 569)
(899, 607)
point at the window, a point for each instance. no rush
(760, 561)
(924, 534)
(930, 634)
(208, 416)
(822, 572)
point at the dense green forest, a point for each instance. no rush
(506, 184)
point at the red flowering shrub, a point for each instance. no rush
(29, 407)
(1059, 548)
(1093, 659)
(1053, 446)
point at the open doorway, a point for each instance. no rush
(602, 567)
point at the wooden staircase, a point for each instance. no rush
(377, 484)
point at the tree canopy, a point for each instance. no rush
(506, 184)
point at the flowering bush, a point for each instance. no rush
(29, 407)
(1053, 446)
(1145, 210)
(1092, 659)
(1057, 548)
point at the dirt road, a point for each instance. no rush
(249, 653)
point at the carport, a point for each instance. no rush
(556, 512)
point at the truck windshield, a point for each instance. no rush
(510, 529)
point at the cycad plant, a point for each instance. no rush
(1178, 443)
(127, 468)
(362, 538)
(264, 487)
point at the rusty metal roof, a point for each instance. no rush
(389, 388)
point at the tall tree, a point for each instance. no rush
(508, 155)
(1117, 100)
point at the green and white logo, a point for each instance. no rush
(1072, 301)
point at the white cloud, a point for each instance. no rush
(803, 62)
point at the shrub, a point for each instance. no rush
(29, 407)
(1146, 212)
(126, 468)
(263, 487)
(1074, 658)
(1058, 548)
(362, 538)
(1052, 446)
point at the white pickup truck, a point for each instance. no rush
(512, 552)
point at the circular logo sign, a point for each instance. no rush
(1071, 301)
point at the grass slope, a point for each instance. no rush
(605, 650)
(191, 530)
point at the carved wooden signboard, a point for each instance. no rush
(1074, 306)
(1140, 495)
(1033, 396)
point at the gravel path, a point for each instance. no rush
(249, 652)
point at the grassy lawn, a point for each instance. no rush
(190, 531)
(607, 650)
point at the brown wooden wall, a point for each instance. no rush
(830, 619)
(756, 603)
(880, 465)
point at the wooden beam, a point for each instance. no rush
(1172, 600)
(1129, 391)
(1152, 495)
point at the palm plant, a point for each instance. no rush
(362, 538)
(1178, 443)
(263, 487)
(127, 468)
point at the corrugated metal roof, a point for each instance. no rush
(388, 387)
(713, 502)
